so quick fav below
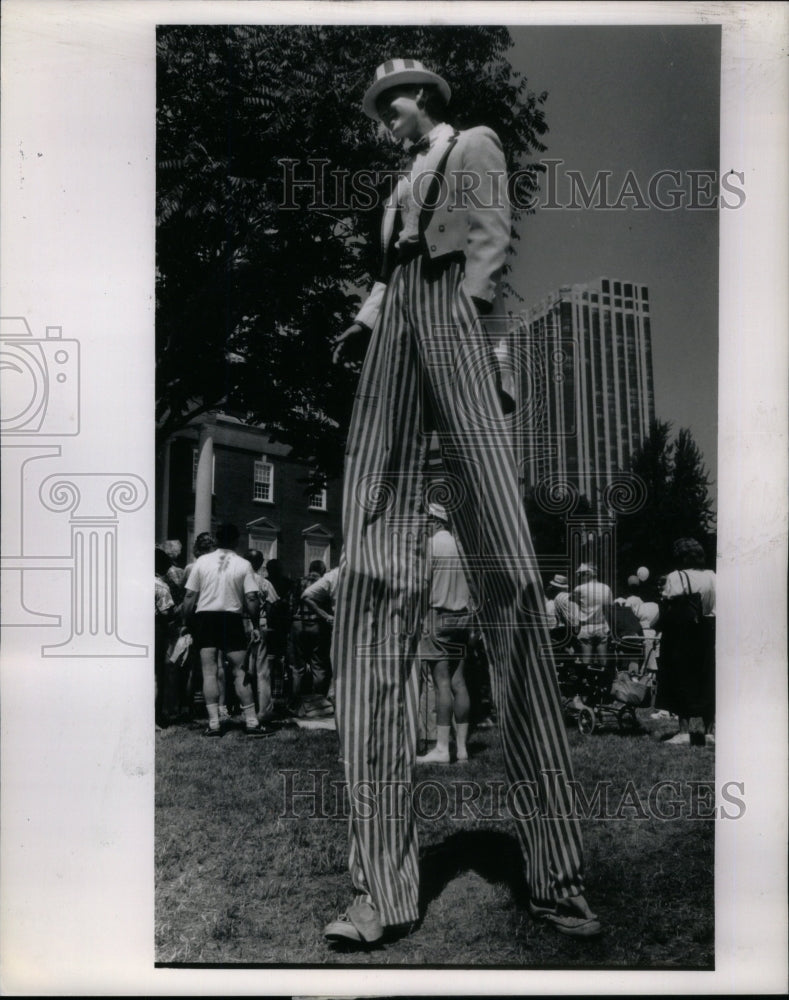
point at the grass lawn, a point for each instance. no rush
(239, 882)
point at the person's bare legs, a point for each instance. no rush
(443, 688)
(212, 689)
(236, 660)
(461, 706)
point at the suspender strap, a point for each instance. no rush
(390, 256)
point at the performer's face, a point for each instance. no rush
(399, 111)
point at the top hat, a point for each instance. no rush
(396, 73)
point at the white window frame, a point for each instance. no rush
(320, 498)
(263, 462)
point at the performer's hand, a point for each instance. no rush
(353, 331)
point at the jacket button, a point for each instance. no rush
(441, 228)
(432, 246)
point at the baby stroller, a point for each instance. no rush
(603, 691)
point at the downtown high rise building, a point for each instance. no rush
(586, 388)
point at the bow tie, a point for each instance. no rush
(421, 146)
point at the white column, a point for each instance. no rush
(205, 476)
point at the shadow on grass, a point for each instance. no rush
(494, 856)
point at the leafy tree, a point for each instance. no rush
(689, 499)
(250, 292)
(677, 503)
(549, 529)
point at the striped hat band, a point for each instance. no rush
(397, 73)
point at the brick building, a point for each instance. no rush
(219, 469)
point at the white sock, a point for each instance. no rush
(461, 732)
(250, 718)
(223, 712)
(442, 737)
(213, 715)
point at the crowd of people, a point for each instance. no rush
(669, 625)
(235, 636)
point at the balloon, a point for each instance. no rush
(642, 573)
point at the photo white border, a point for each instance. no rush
(78, 131)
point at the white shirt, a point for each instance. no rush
(324, 590)
(702, 581)
(593, 598)
(412, 192)
(565, 610)
(221, 578)
(448, 587)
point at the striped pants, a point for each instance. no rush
(429, 368)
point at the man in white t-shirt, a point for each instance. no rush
(220, 586)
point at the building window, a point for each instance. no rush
(195, 458)
(263, 488)
(318, 500)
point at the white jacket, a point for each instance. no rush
(471, 215)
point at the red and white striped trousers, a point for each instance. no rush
(429, 368)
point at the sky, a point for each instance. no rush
(643, 99)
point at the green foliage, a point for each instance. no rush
(548, 529)
(250, 294)
(678, 504)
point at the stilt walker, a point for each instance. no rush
(429, 370)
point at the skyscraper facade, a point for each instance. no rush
(586, 396)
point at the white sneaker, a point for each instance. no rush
(462, 756)
(438, 755)
(680, 739)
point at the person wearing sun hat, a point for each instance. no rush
(565, 612)
(430, 371)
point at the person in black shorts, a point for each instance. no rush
(220, 585)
